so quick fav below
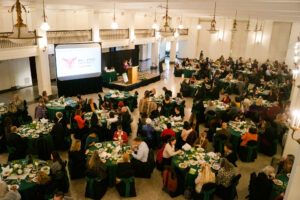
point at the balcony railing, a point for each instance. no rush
(183, 31)
(69, 36)
(144, 33)
(114, 34)
(6, 43)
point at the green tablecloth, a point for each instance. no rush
(27, 187)
(31, 133)
(110, 163)
(190, 173)
(115, 97)
(188, 72)
(55, 106)
(109, 76)
(276, 189)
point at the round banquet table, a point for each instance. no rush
(190, 172)
(27, 187)
(111, 161)
(31, 133)
(117, 96)
(55, 106)
(278, 189)
(102, 115)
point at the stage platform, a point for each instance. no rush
(143, 80)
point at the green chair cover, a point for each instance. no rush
(250, 151)
(10, 149)
(127, 182)
(89, 190)
(207, 194)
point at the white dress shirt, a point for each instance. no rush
(142, 153)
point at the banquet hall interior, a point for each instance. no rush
(149, 99)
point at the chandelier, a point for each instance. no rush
(234, 27)
(213, 22)
(166, 30)
(45, 26)
(248, 25)
(20, 32)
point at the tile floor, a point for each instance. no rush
(146, 188)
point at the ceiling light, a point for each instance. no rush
(234, 27)
(45, 26)
(114, 24)
(180, 24)
(176, 34)
(155, 25)
(20, 33)
(199, 26)
(248, 25)
(213, 22)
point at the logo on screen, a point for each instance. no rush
(69, 62)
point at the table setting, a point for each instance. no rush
(220, 106)
(21, 175)
(240, 127)
(35, 129)
(59, 105)
(190, 162)
(117, 94)
(101, 114)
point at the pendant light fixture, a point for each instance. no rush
(45, 26)
(114, 24)
(166, 30)
(155, 25)
(199, 26)
(213, 22)
(180, 23)
(234, 27)
(248, 25)
(20, 33)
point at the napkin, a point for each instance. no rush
(44, 121)
(186, 147)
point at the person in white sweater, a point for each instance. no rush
(187, 129)
(8, 195)
(169, 151)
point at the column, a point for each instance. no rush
(173, 51)
(42, 65)
(154, 54)
(95, 26)
(131, 31)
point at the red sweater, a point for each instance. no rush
(80, 121)
(123, 137)
(166, 132)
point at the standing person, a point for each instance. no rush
(58, 132)
(125, 66)
(41, 110)
(19, 103)
(92, 106)
(77, 160)
(130, 62)
(45, 96)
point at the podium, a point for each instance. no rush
(132, 75)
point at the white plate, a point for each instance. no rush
(13, 186)
(182, 165)
(277, 182)
(98, 145)
(45, 168)
(216, 167)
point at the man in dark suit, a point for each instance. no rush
(15, 140)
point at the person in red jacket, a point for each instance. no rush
(168, 131)
(79, 120)
(120, 135)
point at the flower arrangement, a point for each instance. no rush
(18, 169)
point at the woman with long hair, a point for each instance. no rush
(77, 161)
(44, 185)
(169, 151)
(225, 174)
(97, 170)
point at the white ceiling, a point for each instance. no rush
(280, 10)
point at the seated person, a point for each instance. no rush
(96, 169)
(205, 176)
(6, 194)
(229, 154)
(167, 92)
(44, 185)
(107, 105)
(285, 164)
(120, 106)
(225, 174)
(57, 171)
(179, 99)
(177, 114)
(169, 151)
(167, 133)
(251, 135)
(126, 120)
(15, 140)
(156, 113)
(224, 132)
(112, 119)
(187, 129)
(226, 99)
(140, 157)
(152, 92)
(76, 160)
(201, 141)
(45, 96)
(193, 79)
(125, 171)
(91, 106)
(78, 118)
(210, 107)
(120, 135)
(148, 132)
(91, 140)
(233, 110)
